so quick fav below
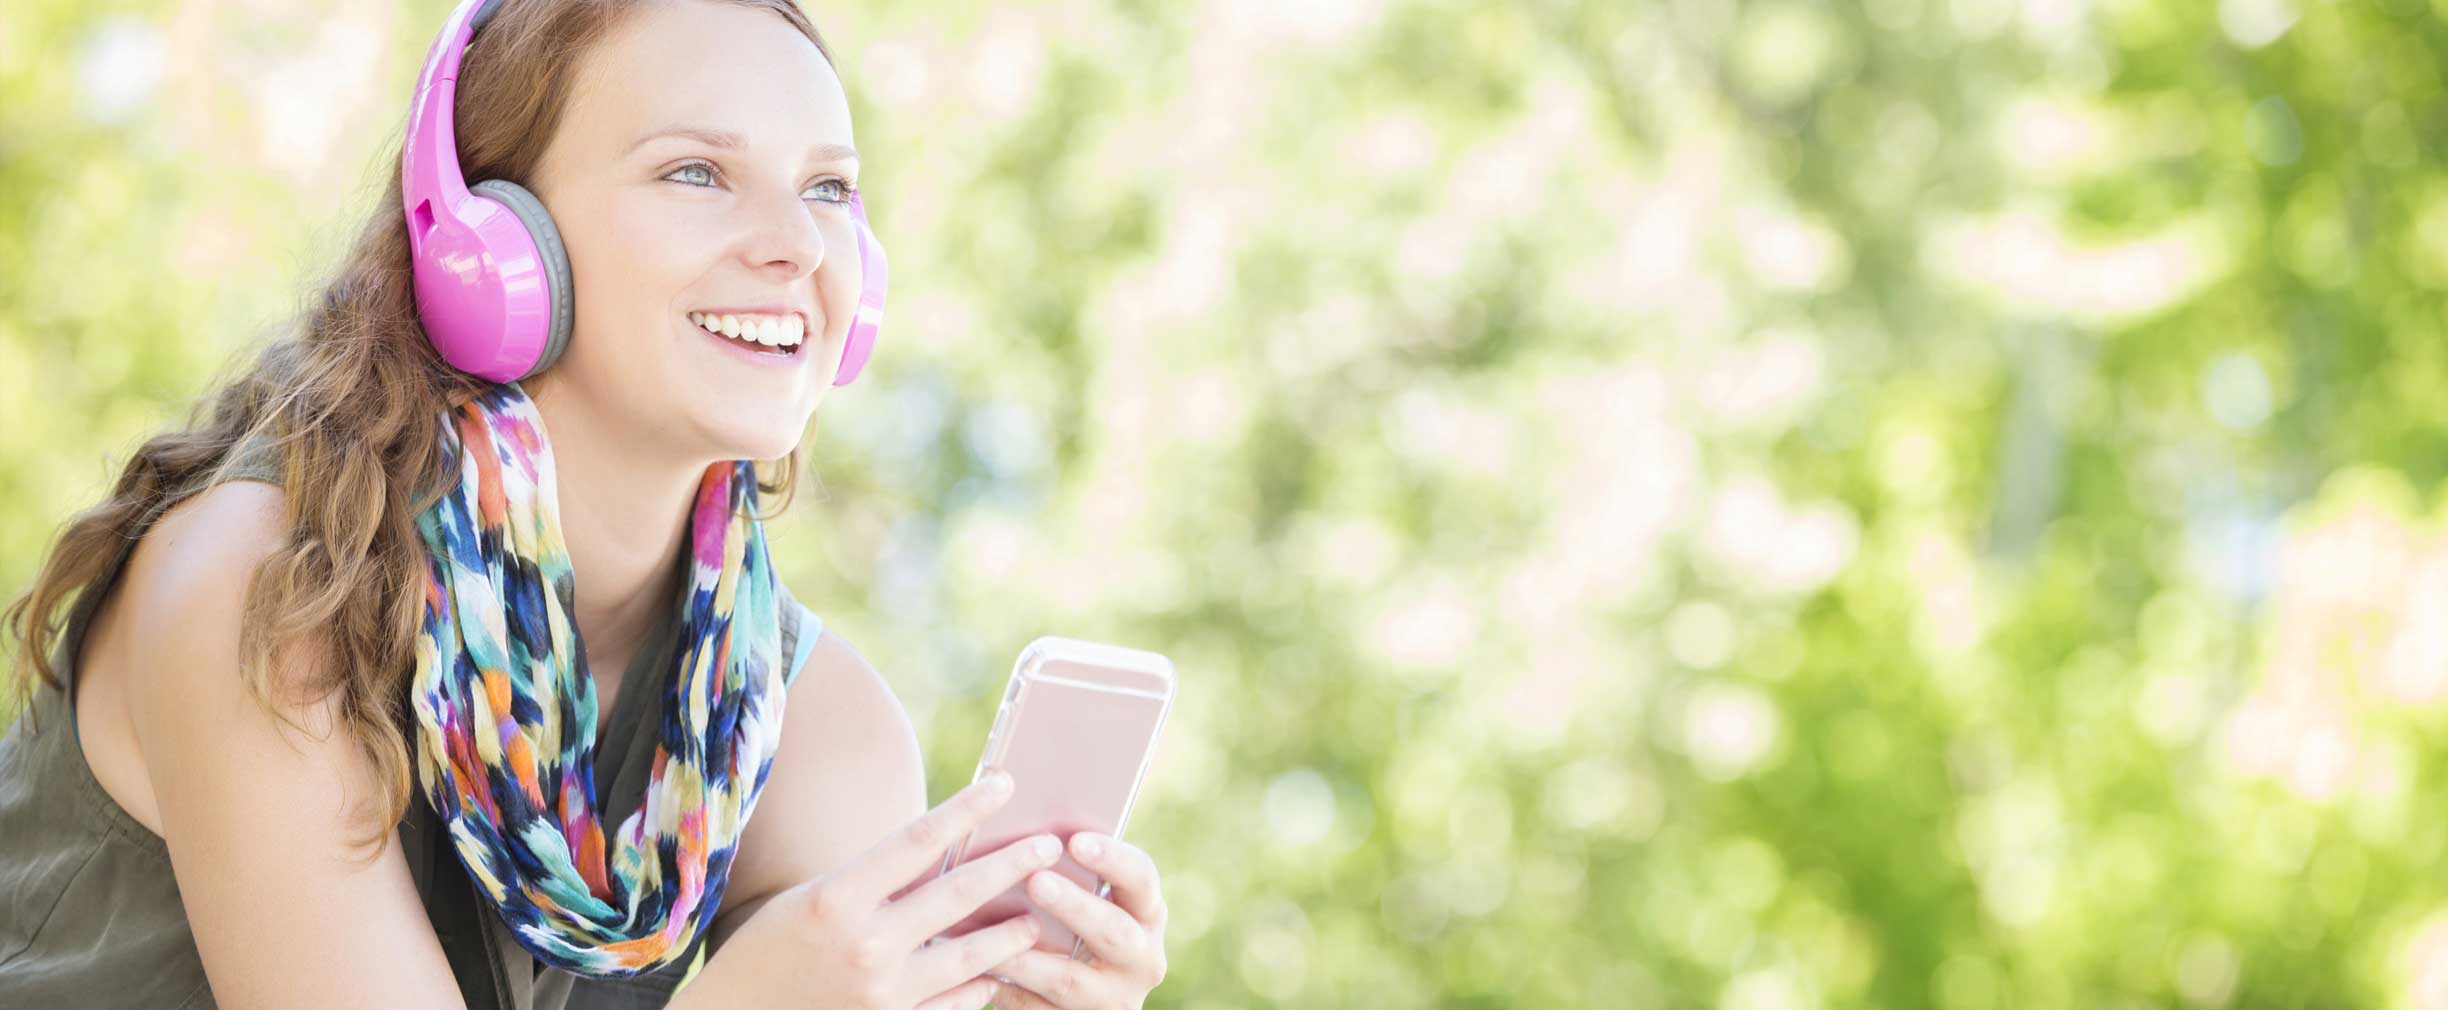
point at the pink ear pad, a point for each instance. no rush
(870, 316)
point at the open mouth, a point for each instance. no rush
(777, 335)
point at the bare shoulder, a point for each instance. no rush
(843, 714)
(173, 624)
(213, 539)
(848, 772)
(187, 560)
(304, 921)
(183, 592)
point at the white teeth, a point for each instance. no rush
(769, 331)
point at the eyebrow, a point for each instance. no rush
(733, 141)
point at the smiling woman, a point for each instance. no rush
(717, 167)
(374, 544)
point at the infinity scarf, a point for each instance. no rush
(506, 716)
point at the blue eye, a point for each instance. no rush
(842, 187)
(699, 165)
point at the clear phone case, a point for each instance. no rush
(1077, 729)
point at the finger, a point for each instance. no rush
(1012, 997)
(970, 995)
(944, 901)
(1131, 872)
(1109, 931)
(919, 845)
(944, 964)
(1054, 979)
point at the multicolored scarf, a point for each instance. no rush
(506, 714)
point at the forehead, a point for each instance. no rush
(717, 65)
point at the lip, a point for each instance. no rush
(794, 359)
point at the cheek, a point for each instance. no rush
(635, 252)
(838, 282)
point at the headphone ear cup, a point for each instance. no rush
(530, 211)
(869, 317)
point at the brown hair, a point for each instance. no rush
(352, 399)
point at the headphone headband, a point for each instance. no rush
(430, 171)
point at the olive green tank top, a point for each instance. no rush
(90, 915)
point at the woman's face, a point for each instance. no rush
(704, 165)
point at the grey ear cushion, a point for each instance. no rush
(484, 14)
(530, 212)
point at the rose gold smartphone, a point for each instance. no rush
(1077, 730)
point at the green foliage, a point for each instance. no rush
(1912, 503)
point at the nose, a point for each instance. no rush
(785, 239)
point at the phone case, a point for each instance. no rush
(1077, 729)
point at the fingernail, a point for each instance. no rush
(998, 783)
(1045, 847)
(1089, 847)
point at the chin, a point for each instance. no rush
(764, 438)
(759, 449)
(763, 425)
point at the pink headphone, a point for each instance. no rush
(492, 281)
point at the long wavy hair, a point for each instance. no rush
(351, 396)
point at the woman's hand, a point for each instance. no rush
(858, 939)
(1125, 936)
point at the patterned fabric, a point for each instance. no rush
(506, 716)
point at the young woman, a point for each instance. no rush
(346, 609)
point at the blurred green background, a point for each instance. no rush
(1763, 506)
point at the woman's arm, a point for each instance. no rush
(847, 773)
(260, 818)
